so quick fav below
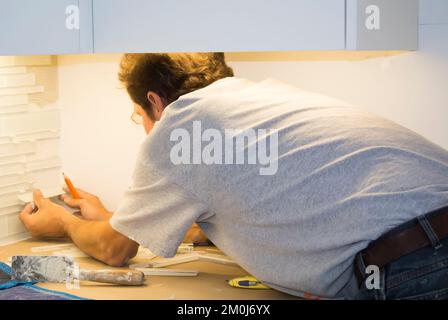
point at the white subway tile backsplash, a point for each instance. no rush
(29, 143)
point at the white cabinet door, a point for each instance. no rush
(218, 25)
(382, 24)
(45, 26)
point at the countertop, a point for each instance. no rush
(210, 284)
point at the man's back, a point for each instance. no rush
(339, 178)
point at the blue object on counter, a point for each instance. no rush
(16, 290)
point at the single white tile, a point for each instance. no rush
(17, 148)
(13, 178)
(14, 238)
(21, 90)
(11, 168)
(16, 187)
(45, 148)
(12, 70)
(39, 121)
(17, 80)
(11, 209)
(5, 110)
(180, 258)
(37, 136)
(9, 199)
(49, 248)
(43, 164)
(5, 139)
(3, 226)
(15, 226)
(74, 253)
(167, 272)
(13, 100)
(11, 160)
(27, 197)
(46, 177)
(216, 258)
(35, 60)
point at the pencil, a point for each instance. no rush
(71, 188)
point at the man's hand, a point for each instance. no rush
(47, 221)
(96, 238)
(195, 235)
(90, 206)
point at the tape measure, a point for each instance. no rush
(247, 282)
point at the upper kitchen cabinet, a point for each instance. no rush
(382, 24)
(218, 25)
(108, 26)
(45, 27)
(254, 25)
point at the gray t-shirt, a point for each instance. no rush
(343, 178)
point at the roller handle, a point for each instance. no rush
(121, 277)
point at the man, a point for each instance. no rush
(290, 184)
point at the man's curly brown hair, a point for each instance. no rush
(170, 75)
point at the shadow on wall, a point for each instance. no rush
(249, 56)
(309, 55)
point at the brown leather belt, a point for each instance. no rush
(403, 240)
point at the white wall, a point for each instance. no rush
(411, 88)
(100, 142)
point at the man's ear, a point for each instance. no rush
(157, 103)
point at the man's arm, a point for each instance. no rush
(96, 238)
(91, 208)
(99, 240)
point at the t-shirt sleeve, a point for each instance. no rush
(155, 212)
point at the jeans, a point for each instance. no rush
(420, 275)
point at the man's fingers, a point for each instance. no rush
(38, 198)
(82, 193)
(74, 203)
(26, 213)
